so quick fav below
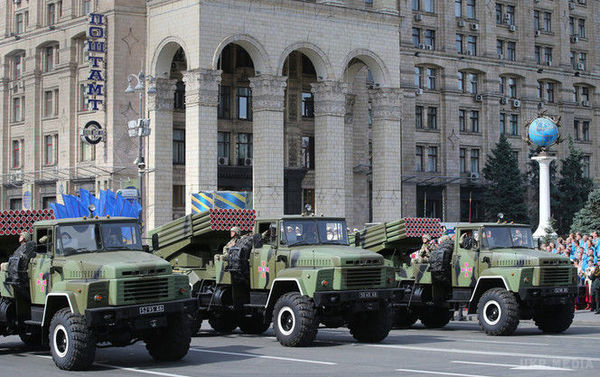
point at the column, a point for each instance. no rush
(544, 223)
(387, 180)
(158, 203)
(349, 160)
(267, 127)
(330, 103)
(201, 100)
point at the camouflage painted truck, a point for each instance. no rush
(295, 271)
(87, 282)
(491, 268)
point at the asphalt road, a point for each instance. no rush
(459, 349)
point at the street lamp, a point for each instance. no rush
(141, 126)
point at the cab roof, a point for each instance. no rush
(300, 217)
(82, 220)
(479, 225)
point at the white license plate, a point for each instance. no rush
(561, 290)
(367, 295)
(152, 309)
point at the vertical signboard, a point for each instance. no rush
(96, 50)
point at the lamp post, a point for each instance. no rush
(140, 127)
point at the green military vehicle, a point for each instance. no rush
(88, 282)
(491, 268)
(295, 271)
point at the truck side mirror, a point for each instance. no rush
(155, 244)
(357, 239)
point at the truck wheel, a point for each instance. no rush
(372, 327)
(295, 320)
(172, 342)
(72, 343)
(255, 324)
(498, 312)
(554, 319)
(405, 318)
(224, 321)
(435, 317)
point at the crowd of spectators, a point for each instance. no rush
(584, 252)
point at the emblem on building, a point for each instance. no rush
(92, 133)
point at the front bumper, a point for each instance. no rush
(548, 295)
(358, 300)
(139, 316)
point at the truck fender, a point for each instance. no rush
(281, 286)
(485, 283)
(55, 302)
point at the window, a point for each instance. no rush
(500, 48)
(179, 96)
(178, 146)
(547, 22)
(224, 107)
(499, 14)
(474, 160)
(17, 66)
(459, 44)
(461, 81)
(538, 54)
(472, 45)
(429, 6)
(83, 99)
(511, 51)
(430, 38)
(86, 6)
(549, 86)
(179, 196)
(502, 123)
(308, 105)
(50, 149)
(582, 93)
(416, 4)
(88, 152)
(463, 160)
(474, 120)
(49, 58)
(431, 73)
(585, 130)
(418, 77)
(582, 57)
(18, 104)
(585, 165)
(462, 121)
(515, 155)
(432, 159)
(512, 87)
(471, 9)
(419, 117)
(16, 203)
(244, 149)
(536, 20)
(416, 37)
(581, 28)
(458, 8)
(51, 16)
(223, 146)
(572, 26)
(16, 154)
(548, 55)
(48, 108)
(308, 152)
(432, 118)
(473, 79)
(46, 200)
(419, 158)
(244, 102)
(576, 129)
(514, 124)
(19, 23)
(510, 15)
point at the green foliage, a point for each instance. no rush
(505, 192)
(573, 189)
(587, 220)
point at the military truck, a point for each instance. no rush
(492, 269)
(88, 282)
(294, 272)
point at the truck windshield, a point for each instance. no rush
(89, 238)
(507, 237)
(314, 231)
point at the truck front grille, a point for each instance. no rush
(140, 291)
(551, 276)
(361, 277)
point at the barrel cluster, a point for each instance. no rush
(384, 235)
(225, 219)
(14, 222)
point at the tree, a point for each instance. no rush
(587, 220)
(573, 189)
(505, 191)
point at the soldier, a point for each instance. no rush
(425, 251)
(24, 237)
(235, 234)
(595, 277)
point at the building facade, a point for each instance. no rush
(370, 110)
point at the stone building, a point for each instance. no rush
(370, 110)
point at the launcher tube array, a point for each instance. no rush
(14, 222)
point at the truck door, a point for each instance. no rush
(465, 257)
(262, 260)
(39, 267)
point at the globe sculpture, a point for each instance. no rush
(543, 132)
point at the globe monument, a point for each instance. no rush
(543, 132)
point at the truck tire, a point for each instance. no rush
(498, 312)
(255, 324)
(405, 318)
(223, 321)
(72, 343)
(554, 319)
(171, 343)
(435, 317)
(372, 327)
(295, 320)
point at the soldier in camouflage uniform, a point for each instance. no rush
(235, 233)
(425, 251)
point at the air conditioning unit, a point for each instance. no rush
(580, 67)
(501, 56)
(537, 33)
(474, 177)
(541, 105)
(474, 26)
(503, 100)
(574, 39)
(582, 2)
(418, 17)
(422, 46)
(428, 47)
(585, 103)
(223, 160)
(478, 97)
(536, 1)
(571, 5)
(419, 91)
(248, 162)
(470, 52)
(512, 28)
(460, 23)
(17, 2)
(516, 103)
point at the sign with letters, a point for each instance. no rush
(92, 133)
(96, 54)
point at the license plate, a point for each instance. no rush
(152, 309)
(367, 294)
(561, 290)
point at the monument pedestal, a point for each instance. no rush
(544, 226)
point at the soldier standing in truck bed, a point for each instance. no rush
(425, 251)
(235, 233)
